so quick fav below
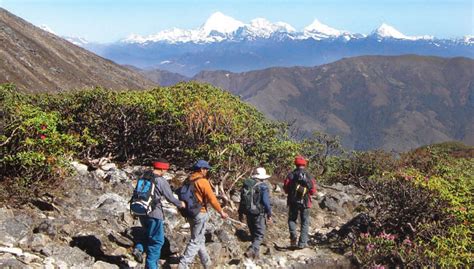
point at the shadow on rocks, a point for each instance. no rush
(92, 246)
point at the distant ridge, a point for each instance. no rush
(36, 60)
(390, 102)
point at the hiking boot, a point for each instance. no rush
(250, 254)
(138, 255)
(208, 265)
(293, 243)
(302, 246)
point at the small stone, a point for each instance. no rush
(29, 258)
(109, 166)
(15, 251)
(81, 169)
(104, 265)
(120, 251)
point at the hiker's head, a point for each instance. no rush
(160, 166)
(300, 161)
(260, 173)
(201, 166)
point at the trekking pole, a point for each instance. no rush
(236, 221)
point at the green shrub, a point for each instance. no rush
(182, 123)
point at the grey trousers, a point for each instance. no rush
(293, 213)
(196, 244)
(257, 227)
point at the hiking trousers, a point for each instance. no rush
(256, 224)
(155, 238)
(293, 213)
(197, 242)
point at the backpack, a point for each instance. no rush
(299, 189)
(187, 194)
(251, 197)
(142, 202)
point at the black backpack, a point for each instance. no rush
(187, 194)
(299, 188)
(251, 197)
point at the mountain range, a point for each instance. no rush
(36, 60)
(224, 43)
(390, 102)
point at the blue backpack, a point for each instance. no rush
(142, 199)
(187, 194)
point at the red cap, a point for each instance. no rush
(300, 161)
(161, 165)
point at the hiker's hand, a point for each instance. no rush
(241, 218)
(224, 215)
(183, 204)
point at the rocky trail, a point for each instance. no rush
(85, 223)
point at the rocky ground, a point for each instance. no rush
(86, 224)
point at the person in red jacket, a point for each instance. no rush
(299, 185)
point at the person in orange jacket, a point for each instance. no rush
(205, 196)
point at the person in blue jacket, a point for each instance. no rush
(256, 221)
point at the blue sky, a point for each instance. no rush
(110, 20)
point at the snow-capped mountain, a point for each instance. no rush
(219, 28)
(387, 31)
(78, 41)
(262, 28)
(225, 43)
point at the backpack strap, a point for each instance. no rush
(194, 181)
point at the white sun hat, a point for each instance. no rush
(261, 173)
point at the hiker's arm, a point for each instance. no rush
(313, 189)
(266, 201)
(210, 196)
(167, 193)
(241, 206)
(286, 184)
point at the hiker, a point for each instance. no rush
(299, 185)
(255, 205)
(153, 222)
(204, 195)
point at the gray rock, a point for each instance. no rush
(38, 241)
(46, 227)
(223, 236)
(116, 176)
(12, 230)
(71, 256)
(111, 204)
(5, 214)
(81, 169)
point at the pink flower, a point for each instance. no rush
(370, 247)
(43, 127)
(364, 235)
(407, 241)
(42, 137)
(377, 266)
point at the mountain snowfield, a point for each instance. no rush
(219, 27)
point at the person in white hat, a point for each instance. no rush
(255, 205)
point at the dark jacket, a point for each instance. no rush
(265, 199)
(289, 181)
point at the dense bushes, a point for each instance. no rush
(421, 204)
(182, 123)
